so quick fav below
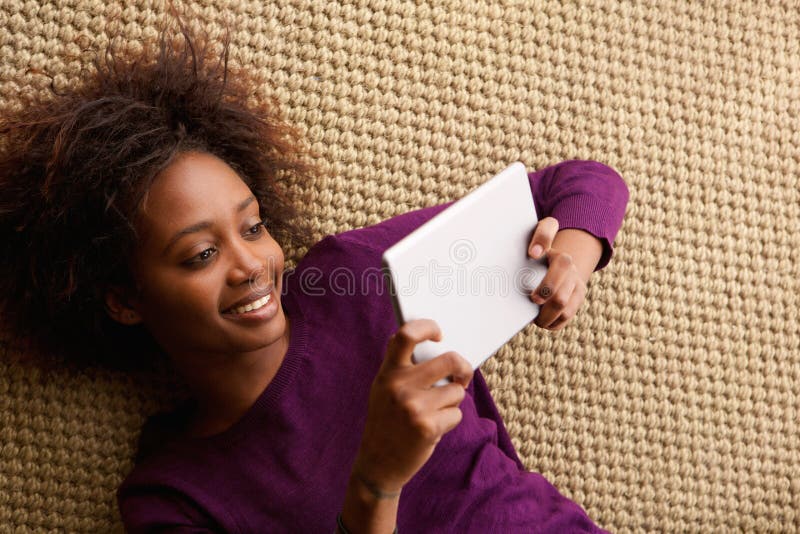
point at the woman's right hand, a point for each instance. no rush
(406, 418)
(407, 415)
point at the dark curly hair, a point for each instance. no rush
(75, 167)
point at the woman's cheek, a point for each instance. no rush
(182, 300)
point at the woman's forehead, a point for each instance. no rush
(194, 181)
(194, 186)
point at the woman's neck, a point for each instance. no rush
(226, 390)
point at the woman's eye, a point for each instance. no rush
(256, 230)
(204, 256)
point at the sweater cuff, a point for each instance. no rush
(585, 212)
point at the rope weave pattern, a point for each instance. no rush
(670, 403)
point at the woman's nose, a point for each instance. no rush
(248, 263)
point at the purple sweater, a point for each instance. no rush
(284, 466)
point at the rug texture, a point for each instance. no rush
(671, 402)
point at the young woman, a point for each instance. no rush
(147, 210)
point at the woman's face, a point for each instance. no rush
(204, 250)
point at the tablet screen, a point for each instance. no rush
(468, 269)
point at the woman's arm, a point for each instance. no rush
(582, 195)
(406, 418)
(583, 203)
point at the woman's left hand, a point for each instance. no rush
(563, 288)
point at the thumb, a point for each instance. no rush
(543, 237)
(401, 344)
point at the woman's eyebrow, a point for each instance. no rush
(202, 225)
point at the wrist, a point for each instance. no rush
(368, 509)
(584, 249)
(376, 481)
(373, 489)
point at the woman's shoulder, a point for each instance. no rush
(386, 233)
(369, 242)
(161, 429)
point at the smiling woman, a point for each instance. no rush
(134, 117)
(198, 285)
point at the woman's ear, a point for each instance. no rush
(120, 306)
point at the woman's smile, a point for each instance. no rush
(262, 309)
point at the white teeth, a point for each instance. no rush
(253, 305)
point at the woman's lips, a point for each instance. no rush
(253, 297)
(264, 313)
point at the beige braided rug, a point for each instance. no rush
(671, 403)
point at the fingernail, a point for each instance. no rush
(537, 251)
(544, 292)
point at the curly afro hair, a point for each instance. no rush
(76, 165)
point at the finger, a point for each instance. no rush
(447, 364)
(572, 308)
(401, 345)
(447, 396)
(543, 237)
(439, 424)
(449, 419)
(557, 303)
(559, 268)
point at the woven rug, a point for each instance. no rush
(671, 402)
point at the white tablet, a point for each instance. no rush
(468, 269)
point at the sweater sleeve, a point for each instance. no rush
(586, 195)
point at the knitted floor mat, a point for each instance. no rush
(670, 403)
